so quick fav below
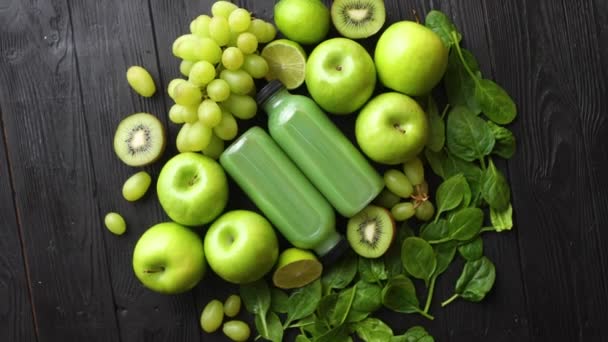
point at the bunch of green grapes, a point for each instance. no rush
(220, 60)
(406, 192)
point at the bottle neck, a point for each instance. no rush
(328, 244)
(275, 99)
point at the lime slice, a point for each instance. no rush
(296, 268)
(286, 61)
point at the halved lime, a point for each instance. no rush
(286, 61)
(296, 268)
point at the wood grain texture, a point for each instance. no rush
(558, 198)
(109, 37)
(16, 319)
(53, 179)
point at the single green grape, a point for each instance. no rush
(227, 129)
(199, 136)
(141, 81)
(236, 330)
(247, 42)
(171, 86)
(223, 8)
(181, 141)
(115, 223)
(258, 28)
(414, 170)
(210, 113)
(234, 36)
(190, 47)
(398, 183)
(218, 90)
(255, 65)
(201, 73)
(187, 94)
(239, 81)
(232, 58)
(403, 211)
(387, 199)
(212, 316)
(185, 67)
(219, 30)
(200, 26)
(215, 148)
(269, 33)
(232, 306)
(239, 20)
(425, 211)
(243, 107)
(180, 114)
(136, 186)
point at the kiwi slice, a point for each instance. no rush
(139, 139)
(358, 18)
(371, 231)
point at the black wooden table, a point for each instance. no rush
(64, 277)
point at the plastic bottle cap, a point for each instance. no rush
(267, 91)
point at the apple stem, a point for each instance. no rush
(339, 68)
(155, 270)
(416, 17)
(399, 128)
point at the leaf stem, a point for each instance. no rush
(436, 242)
(449, 300)
(429, 296)
(466, 66)
(487, 229)
(425, 314)
(445, 111)
(483, 163)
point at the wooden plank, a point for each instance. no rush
(109, 37)
(53, 183)
(558, 173)
(16, 319)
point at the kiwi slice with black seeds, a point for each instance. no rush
(371, 232)
(139, 139)
(358, 18)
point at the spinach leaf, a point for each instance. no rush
(372, 270)
(495, 189)
(436, 138)
(327, 306)
(342, 308)
(368, 298)
(502, 220)
(505, 140)
(418, 258)
(472, 250)
(302, 338)
(468, 136)
(473, 174)
(303, 301)
(495, 103)
(450, 193)
(337, 334)
(444, 253)
(465, 224)
(434, 231)
(436, 161)
(414, 334)
(373, 330)
(439, 23)
(341, 274)
(278, 300)
(459, 85)
(399, 295)
(475, 282)
(256, 297)
(270, 329)
(392, 257)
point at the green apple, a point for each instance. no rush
(391, 128)
(410, 58)
(192, 189)
(303, 21)
(169, 258)
(340, 75)
(241, 246)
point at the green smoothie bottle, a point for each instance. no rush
(331, 162)
(285, 196)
